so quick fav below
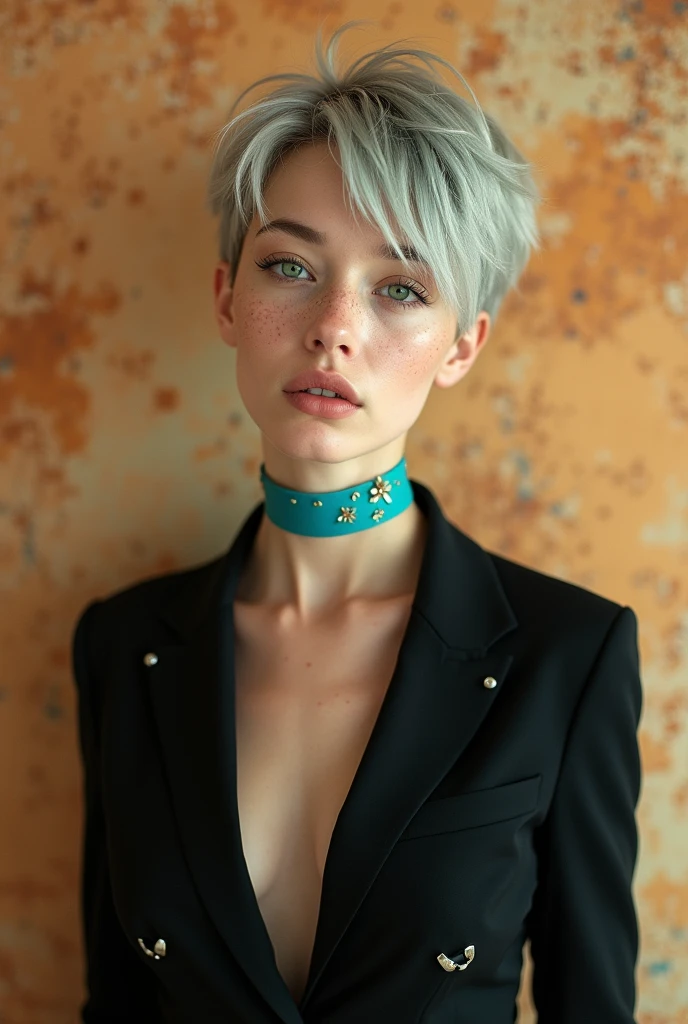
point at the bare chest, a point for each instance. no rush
(306, 703)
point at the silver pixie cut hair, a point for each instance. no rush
(459, 190)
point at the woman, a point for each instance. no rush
(342, 772)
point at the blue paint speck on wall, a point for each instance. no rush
(660, 967)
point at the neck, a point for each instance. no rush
(315, 577)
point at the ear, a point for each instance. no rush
(463, 352)
(224, 298)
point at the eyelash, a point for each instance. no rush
(422, 300)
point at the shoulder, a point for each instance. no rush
(530, 606)
(524, 584)
(137, 603)
(557, 610)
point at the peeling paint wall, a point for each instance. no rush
(124, 446)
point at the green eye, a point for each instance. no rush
(291, 266)
(404, 287)
(295, 267)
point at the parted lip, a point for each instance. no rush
(320, 379)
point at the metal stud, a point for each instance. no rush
(380, 489)
(451, 965)
(150, 659)
(159, 949)
(489, 683)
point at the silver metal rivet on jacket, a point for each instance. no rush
(150, 659)
(489, 683)
(451, 965)
(159, 949)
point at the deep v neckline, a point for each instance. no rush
(282, 722)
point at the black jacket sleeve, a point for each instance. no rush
(583, 927)
(119, 987)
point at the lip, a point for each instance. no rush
(320, 406)
(320, 379)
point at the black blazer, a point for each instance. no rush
(480, 816)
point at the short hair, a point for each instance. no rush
(461, 193)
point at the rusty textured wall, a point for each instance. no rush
(124, 447)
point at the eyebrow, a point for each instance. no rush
(306, 234)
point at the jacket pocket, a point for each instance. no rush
(478, 807)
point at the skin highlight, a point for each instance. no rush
(342, 313)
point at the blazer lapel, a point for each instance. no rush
(434, 704)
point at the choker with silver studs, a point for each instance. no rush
(333, 513)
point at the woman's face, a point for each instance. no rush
(348, 311)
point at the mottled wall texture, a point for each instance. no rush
(124, 446)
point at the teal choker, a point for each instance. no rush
(333, 513)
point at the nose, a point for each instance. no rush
(338, 322)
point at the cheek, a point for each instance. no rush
(260, 325)
(408, 363)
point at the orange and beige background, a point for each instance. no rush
(125, 449)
